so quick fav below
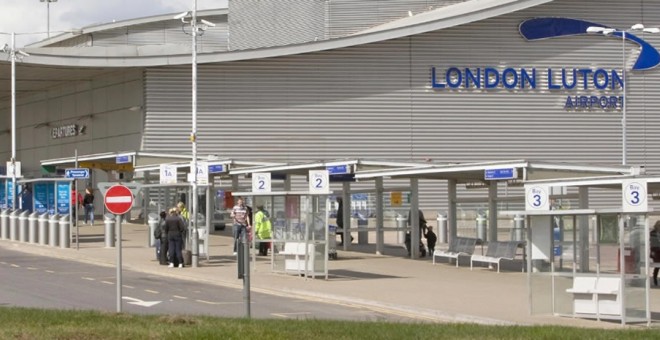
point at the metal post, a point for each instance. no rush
(623, 106)
(13, 119)
(193, 139)
(246, 273)
(118, 228)
(75, 220)
(380, 240)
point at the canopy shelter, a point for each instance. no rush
(343, 171)
(591, 263)
(486, 175)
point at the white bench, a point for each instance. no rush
(458, 246)
(295, 257)
(497, 251)
(596, 295)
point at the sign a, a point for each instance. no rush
(339, 169)
(216, 168)
(76, 173)
(319, 182)
(202, 173)
(65, 131)
(123, 159)
(495, 174)
(634, 194)
(168, 174)
(261, 182)
(118, 199)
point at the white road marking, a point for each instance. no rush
(15, 265)
(217, 303)
(108, 282)
(49, 271)
(179, 297)
(127, 286)
(89, 278)
(139, 302)
(31, 268)
(152, 291)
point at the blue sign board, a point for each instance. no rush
(507, 173)
(63, 198)
(3, 195)
(10, 198)
(338, 169)
(216, 168)
(76, 173)
(50, 197)
(40, 197)
(123, 159)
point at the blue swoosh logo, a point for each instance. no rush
(543, 28)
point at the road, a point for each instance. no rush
(50, 283)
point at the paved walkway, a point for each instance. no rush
(437, 293)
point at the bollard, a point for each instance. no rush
(109, 221)
(481, 228)
(65, 232)
(32, 228)
(401, 228)
(13, 225)
(518, 227)
(43, 229)
(442, 228)
(52, 230)
(4, 224)
(23, 226)
(154, 220)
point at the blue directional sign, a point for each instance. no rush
(123, 159)
(76, 173)
(338, 169)
(506, 173)
(216, 168)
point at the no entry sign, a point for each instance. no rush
(118, 199)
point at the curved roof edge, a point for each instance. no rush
(451, 16)
(117, 24)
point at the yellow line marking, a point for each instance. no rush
(108, 282)
(152, 291)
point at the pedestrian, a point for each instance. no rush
(655, 249)
(76, 202)
(431, 239)
(88, 203)
(263, 229)
(240, 215)
(340, 221)
(175, 229)
(162, 243)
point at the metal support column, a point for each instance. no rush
(583, 230)
(492, 211)
(346, 211)
(379, 216)
(451, 210)
(415, 235)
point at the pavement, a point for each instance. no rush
(388, 282)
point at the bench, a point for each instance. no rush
(458, 246)
(497, 251)
(295, 257)
(596, 295)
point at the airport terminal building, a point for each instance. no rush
(436, 81)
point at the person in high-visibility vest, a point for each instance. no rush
(263, 229)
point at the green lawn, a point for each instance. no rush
(23, 323)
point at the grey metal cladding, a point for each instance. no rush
(170, 32)
(347, 17)
(375, 101)
(259, 23)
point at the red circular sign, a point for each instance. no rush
(118, 199)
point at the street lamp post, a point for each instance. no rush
(611, 31)
(196, 29)
(11, 50)
(48, 14)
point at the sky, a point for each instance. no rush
(29, 18)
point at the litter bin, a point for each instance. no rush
(52, 230)
(43, 229)
(442, 228)
(32, 228)
(4, 224)
(363, 233)
(154, 220)
(481, 228)
(109, 221)
(401, 228)
(23, 226)
(13, 225)
(65, 231)
(518, 227)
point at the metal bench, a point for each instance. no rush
(497, 251)
(458, 246)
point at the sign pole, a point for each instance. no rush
(118, 228)
(75, 220)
